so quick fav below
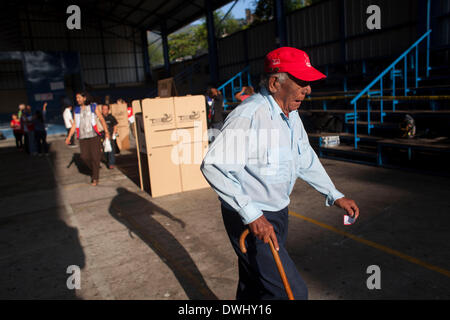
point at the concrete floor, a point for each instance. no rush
(131, 246)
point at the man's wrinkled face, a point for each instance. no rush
(290, 93)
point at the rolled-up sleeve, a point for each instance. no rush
(223, 163)
(311, 171)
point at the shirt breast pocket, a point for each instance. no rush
(278, 166)
(304, 158)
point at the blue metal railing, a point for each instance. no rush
(394, 73)
(232, 85)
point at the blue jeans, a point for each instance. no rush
(258, 274)
(111, 158)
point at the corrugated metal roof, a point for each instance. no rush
(138, 14)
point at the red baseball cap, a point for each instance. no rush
(293, 61)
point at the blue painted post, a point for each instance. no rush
(409, 153)
(281, 23)
(324, 104)
(368, 116)
(428, 38)
(381, 101)
(249, 81)
(240, 82)
(393, 87)
(417, 66)
(212, 48)
(364, 67)
(320, 147)
(232, 91)
(355, 125)
(405, 75)
(345, 84)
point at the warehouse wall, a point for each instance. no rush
(107, 57)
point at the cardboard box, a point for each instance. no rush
(166, 88)
(136, 106)
(119, 111)
(330, 141)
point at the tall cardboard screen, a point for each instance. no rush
(192, 145)
(119, 111)
(160, 136)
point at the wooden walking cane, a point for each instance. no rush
(287, 287)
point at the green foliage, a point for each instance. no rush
(265, 10)
(155, 53)
(182, 44)
(195, 39)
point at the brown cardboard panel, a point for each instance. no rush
(192, 134)
(166, 88)
(191, 176)
(162, 137)
(190, 109)
(123, 140)
(164, 173)
(158, 114)
(119, 111)
(136, 106)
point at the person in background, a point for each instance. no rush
(26, 121)
(40, 134)
(17, 130)
(68, 122)
(244, 93)
(21, 109)
(209, 102)
(86, 116)
(112, 123)
(216, 107)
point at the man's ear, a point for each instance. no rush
(273, 85)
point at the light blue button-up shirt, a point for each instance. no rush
(255, 160)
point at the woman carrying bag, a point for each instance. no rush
(86, 115)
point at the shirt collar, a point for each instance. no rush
(275, 109)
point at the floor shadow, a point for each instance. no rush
(136, 213)
(36, 244)
(81, 166)
(128, 165)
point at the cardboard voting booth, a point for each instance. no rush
(119, 111)
(173, 142)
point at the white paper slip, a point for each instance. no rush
(348, 220)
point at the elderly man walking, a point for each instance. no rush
(253, 165)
